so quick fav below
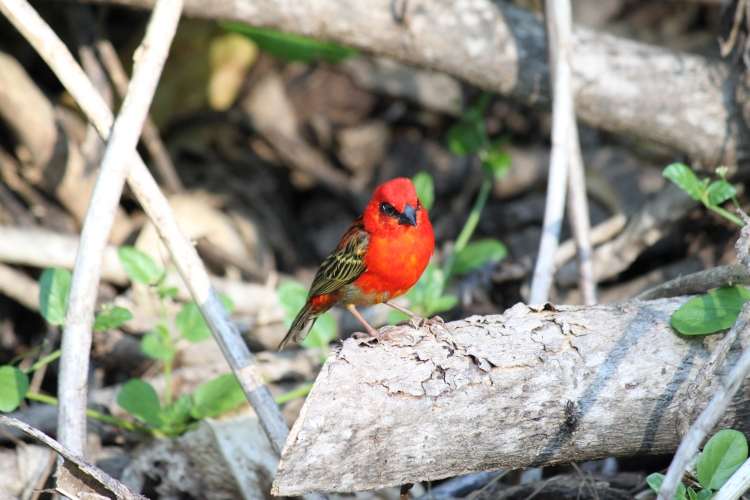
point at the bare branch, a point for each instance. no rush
(150, 134)
(699, 282)
(76, 339)
(562, 111)
(104, 484)
(526, 388)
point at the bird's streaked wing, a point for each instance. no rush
(345, 264)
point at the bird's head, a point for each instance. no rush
(395, 207)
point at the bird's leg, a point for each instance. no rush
(371, 332)
(416, 320)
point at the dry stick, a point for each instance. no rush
(602, 232)
(44, 40)
(578, 209)
(562, 109)
(115, 487)
(728, 45)
(19, 287)
(150, 134)
(699, 282)
(578, 215)
(76, 339)
(708, 418)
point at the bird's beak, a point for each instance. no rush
(408, 216)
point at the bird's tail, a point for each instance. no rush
(300, 326)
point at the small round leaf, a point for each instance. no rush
(54, 289)
(722, 455)
(13, 387)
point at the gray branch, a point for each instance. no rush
(531, 387)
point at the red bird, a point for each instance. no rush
(381, 256)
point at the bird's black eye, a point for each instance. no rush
(388, 210)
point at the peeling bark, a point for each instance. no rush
(690, 103)
(531, 387)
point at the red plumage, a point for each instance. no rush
(381, 256)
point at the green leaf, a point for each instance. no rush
(139, 266)
(464, 139)
(192, 325)
(54, 289)
(425, 189)
(478, 253)
(692, 495)
(167, 291)
(13, 386)
(722, 455)
(292, 297)
(292, 47)
(178, 413)
(704, 494)
(157, 346)
(655, 480)
(217, 396)
(680, 174)
(496, 163)
(112, 317)
(710, 313)
(140, 400)
(718, 192)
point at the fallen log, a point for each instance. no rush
(690, 103)
(535, 386)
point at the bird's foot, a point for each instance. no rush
(417, 322)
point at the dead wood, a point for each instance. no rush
(77, 477)
(689, 103)
(531, 387)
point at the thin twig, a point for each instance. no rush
(150, 134)
(578, 208)
(76, 339)
(115, 487)
(591, 487)
(578, 215)
(156, 206)
(708, 418)
(539, 489)
(558, 173)
(699, 282)
(727, 46)
(484, 488)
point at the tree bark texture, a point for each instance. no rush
(535, 386)
(690, 103)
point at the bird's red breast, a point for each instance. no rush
(398, 252)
